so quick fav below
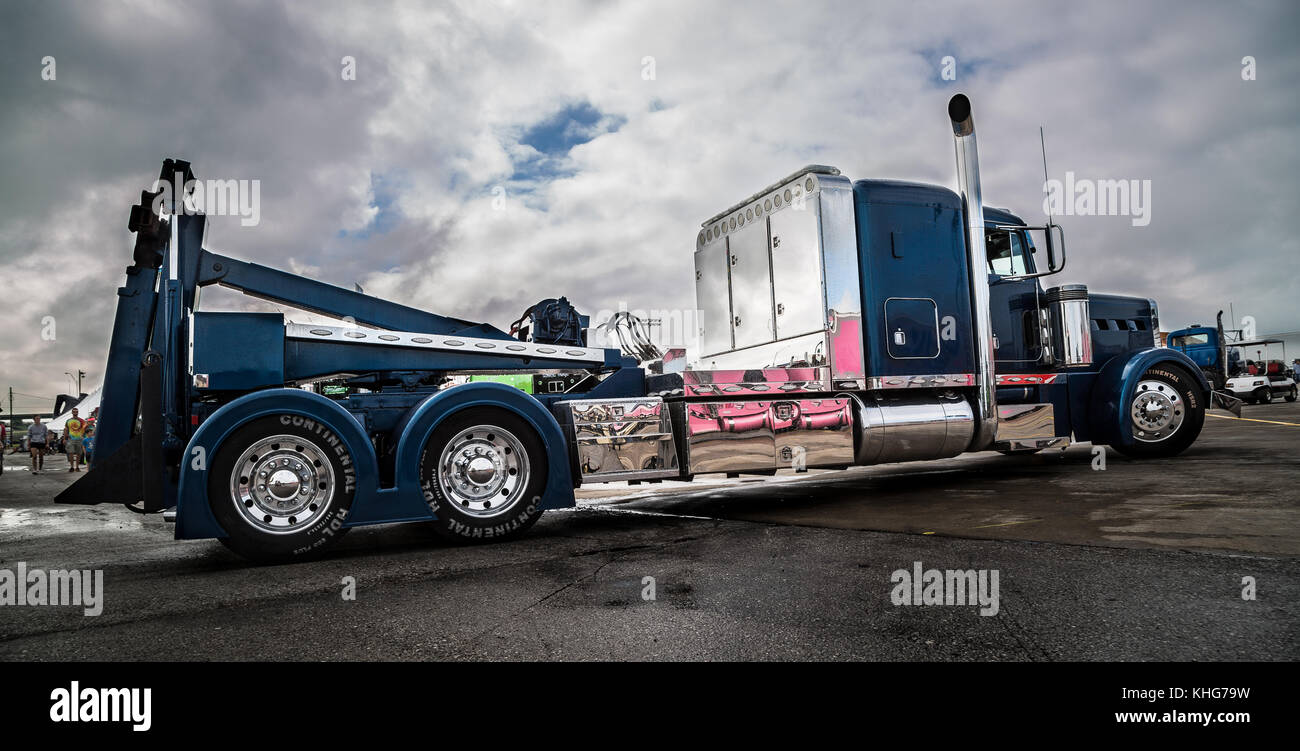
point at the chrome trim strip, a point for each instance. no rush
(1032, 443)
(774, 189)
(443, 343)
(920, 381)
(1027, 379)
(770, 381)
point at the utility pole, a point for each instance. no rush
(80, 374)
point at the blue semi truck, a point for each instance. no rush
(1217, 351)
(842, 323)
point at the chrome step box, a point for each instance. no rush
(622, 439)
(1027, 426)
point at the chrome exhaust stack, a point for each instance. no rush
(968, 185)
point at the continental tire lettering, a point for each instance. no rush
(1177, 380)
(458, 527)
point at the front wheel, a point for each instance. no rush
(1166, 415)
(1264, 395)
(483, 472)
(281, 487)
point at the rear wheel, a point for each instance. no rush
(1291, 395)
(276, 489)
(1166, 415)
(483, 472)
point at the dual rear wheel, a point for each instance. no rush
(282, 486)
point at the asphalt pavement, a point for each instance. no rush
(1133, 561)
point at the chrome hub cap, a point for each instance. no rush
(282, 484)
(1157, 411)
(483, 470)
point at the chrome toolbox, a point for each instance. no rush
(622, 439)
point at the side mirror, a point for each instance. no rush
(1054, 241)
(1054, 238)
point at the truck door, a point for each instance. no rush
(1016, 304)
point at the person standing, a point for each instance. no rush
(37, 436)
(75, 430)
(88, 444)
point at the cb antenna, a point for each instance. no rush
(1042, 141)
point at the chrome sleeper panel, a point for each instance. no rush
(842, 290)
(796, 303)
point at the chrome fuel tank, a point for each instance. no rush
(912, 427)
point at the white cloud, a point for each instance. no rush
(747, 92)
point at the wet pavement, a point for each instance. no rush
(1139, 561)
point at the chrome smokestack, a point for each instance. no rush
(968, 185)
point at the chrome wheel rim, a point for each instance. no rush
(483, 471)
(282, 484)
(1157, 411)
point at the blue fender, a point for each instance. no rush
(194, 518)
(1114, 387)
(416, 428)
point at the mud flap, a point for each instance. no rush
(1226, 401)
(113, 479)
(131, 473)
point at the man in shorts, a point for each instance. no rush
(37, 436)
(75, 430)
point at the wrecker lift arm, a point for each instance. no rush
(145, 375)
(283, 287)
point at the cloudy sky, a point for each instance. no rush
(488, 155)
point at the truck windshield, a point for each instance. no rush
(1189, 340)
(1006, 253)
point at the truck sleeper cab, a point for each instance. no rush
(842, 323)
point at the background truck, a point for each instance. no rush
(843, 323)
(1218, 352)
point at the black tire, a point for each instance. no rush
(1177, 395)
(1018, 452)
(269, 525)
(477, 502)
(1291, 395)
(1264, 395)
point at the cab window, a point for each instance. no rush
(1006, 251)
(1189, 340)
